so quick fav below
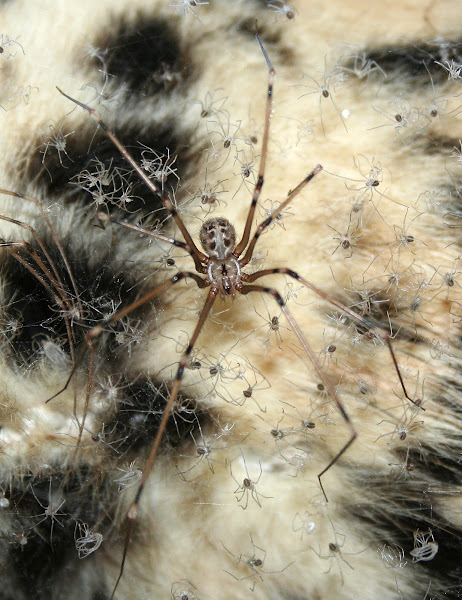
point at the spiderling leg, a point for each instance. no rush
(382, 334)
(311, 355)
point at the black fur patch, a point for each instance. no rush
(58, 174)
(147, 58)
(138, 419)
(33, 313)
(410, 62)
(404, 501)
(37, 567)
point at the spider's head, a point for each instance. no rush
(218, 238)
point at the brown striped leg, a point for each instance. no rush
(98, 329)
(198, 256)
(311, 355)
(264, 224)
(133, 510)
(386, 337)
(264, 152)
(104, 218)
(55, 239)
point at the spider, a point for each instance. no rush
(248, 487)
(54, 500)
(220, 268)
(425, 546)
(253, 565)
(87, 541)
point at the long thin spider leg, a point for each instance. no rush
(197, 255)
(312, 356)
(154, 234)
(264, 224)
(369, 324)
(132, 512)
(264, 152)
(55, 239)
(54, 280)
(57, 295)
(98, 329)
(54, 289)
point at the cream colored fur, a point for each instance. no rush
(197, 525)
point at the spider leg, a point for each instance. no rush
(264, 224)
(264, 152)
(132, 512)
(56, 280)
(57, 286)
(48, 274)
(198, 256)
(103, 217)
(312, 356)
(370, 325)
(57, 293)
(98, 329)
(53, 287)
(55, 239)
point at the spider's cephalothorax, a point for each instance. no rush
(218, 239)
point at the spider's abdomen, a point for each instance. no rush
(218, 237)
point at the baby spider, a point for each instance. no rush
(404, 426)
(184, 6)
(247, 488)
(335, 552)
(282, 9)
(359, 65)
(220, 268)
(203, 450)
(54, 500)
(271, 328)
(425, 546)
(183, 590)
(252, 564)
(303, 523)
(348, 240)
(330, 81)
(9, 47)
(87, 541)
(57, 140)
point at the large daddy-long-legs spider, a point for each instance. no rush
(220, 267)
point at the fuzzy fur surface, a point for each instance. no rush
(232, 508)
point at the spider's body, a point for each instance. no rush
(218, 239)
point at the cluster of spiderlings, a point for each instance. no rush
(232, 378)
